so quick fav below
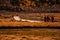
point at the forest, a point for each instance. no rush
(23, 5)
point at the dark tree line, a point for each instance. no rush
(24, 4)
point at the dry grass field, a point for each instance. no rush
(9, 21)
(29, 34)
(15, 24)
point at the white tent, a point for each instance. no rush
(17, 18)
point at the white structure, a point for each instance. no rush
(17, 18)
(29, 20)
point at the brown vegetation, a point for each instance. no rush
(30, 5)
(29, 34)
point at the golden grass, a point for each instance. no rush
(29, 34)
(8, 22)
(29, 24)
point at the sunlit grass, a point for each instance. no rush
(35, 32)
